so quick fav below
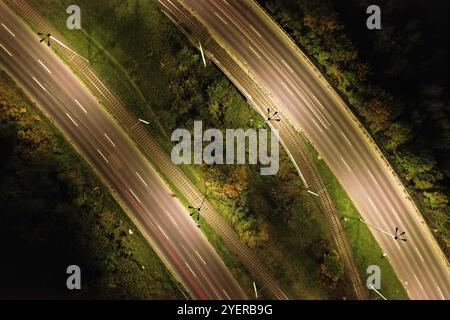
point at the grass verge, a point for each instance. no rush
(365, 248)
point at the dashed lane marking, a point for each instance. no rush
(9, 30)
(198, 254)
(71, 119)
(79, 104)
(6, 50)
(103, 156)
(44, 66)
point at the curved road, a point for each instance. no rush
(160, 217)
(304, 98)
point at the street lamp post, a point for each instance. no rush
(196, 210)
(396, 236)
(48, 37)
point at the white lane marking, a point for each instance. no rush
(313, 108)
(134, 194)
(7, 29)
(71, 119)
(287, 88)
(373, 205)
(43, 88)
(162, 230)
(187, 264)
(142, 180)
(346, 164)
(317, 100)
(418, 282)
(324, 118)
(285, 63)
(44, 66)
(79, 104)
(148, 219)
(256, 53)
(395, 213)
(172, 219)
(211, 285)
(348, 141)
(226, 294)
(256, 31)
(418, 252)
(200, 257)
(109, 140)
(218, 16)
(6, 50)
(373, 178)
(103, 156)
(440, 292)
(143, 121)
(317, 125)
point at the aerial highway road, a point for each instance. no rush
(253, 39)
(90, 128)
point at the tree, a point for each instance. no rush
(435, 200)
(332, 268)
(377, 109)
(236, 183)
(414, 164)
(320, 248)
(398, 134)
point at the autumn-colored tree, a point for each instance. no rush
(397, 134)
(236, 183)
(435, 200)
(332, 268)
(377, 110)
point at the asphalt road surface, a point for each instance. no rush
(418, 262)
(93, 132)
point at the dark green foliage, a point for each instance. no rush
(332, 269)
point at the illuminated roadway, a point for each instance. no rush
(93, 132)
(273, 60)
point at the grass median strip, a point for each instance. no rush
(365, 248)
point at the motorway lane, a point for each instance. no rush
(418, 262)
(105, 145)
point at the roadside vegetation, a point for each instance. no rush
(159, 75)
(394, 79)
(55, 212)
(365, 248)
